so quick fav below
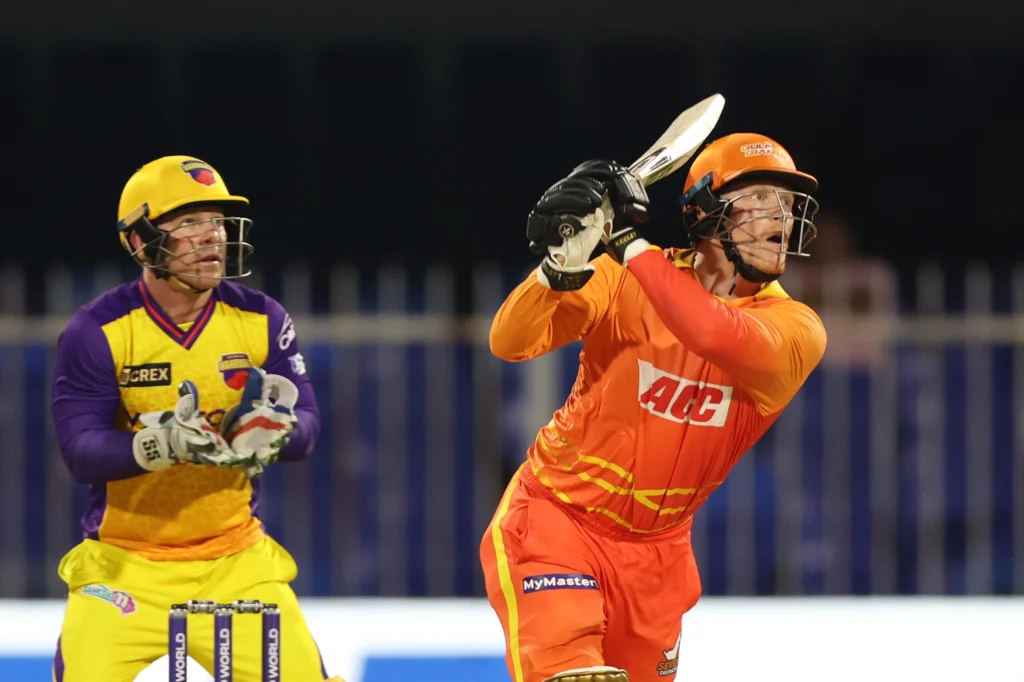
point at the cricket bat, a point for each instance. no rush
(669, 153)
(679, 142)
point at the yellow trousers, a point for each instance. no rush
(116, 622)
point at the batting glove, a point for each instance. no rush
(630, 204)
(565, 226)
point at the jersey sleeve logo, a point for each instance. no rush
(683, 400)
(298, 364)
(287, 333)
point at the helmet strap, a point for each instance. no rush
(178, 285)
(173, 280)
(743, 268)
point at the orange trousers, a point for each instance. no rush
(571, 595)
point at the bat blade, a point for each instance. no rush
(680, 141)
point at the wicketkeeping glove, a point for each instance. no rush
(258, 427)
(171, 437)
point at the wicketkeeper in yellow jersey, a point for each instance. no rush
(171, 395)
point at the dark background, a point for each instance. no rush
(412, 132)
(418, 135)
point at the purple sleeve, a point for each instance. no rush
(284, 359)
(85, 403)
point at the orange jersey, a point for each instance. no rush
(674, 384)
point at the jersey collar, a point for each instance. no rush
(683, 260)
(186, 338)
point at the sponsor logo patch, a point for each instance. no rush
(146, 376)
(121, 600)
(559, 581)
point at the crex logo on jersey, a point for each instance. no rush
(200, 172)
(234, 367)
(559, 581)
(146, 376)
(683, 400)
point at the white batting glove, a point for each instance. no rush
(573, 254)
(258, 427)
(170, 437)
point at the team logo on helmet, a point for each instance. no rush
(765, 149)
(200, 172)
(758, 149)
(234, 367)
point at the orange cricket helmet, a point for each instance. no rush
(746, 156)
(743, 157)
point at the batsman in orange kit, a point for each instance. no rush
(688, 357)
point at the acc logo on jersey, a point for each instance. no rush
(146, 376)
(234, 367)
(200, 172)
(682, 400)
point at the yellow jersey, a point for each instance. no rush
(121, 356)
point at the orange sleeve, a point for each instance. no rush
(535, 320)
(770, 350)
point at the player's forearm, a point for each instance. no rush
(99, 455)
(703, 324)
(301, 440)
(523, 327)
(535, 320)
(303, 437)
(94, 451)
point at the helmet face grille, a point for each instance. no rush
(221, 238)
(793, 211)
(209, 240)
(710, 217)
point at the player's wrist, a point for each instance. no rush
(626, 244)
(151, 448)
(562, 279)
(636, 248)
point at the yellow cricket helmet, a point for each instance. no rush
(169, 184)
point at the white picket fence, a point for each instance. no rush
(898, 469)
